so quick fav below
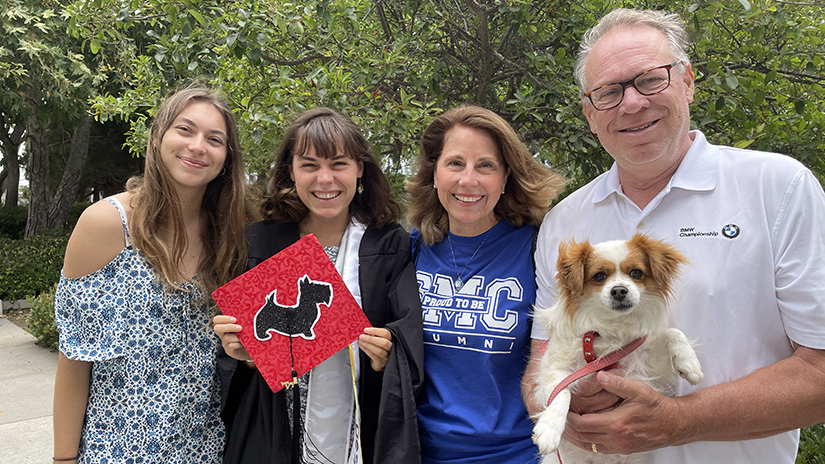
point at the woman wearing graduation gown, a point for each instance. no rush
(327, 182)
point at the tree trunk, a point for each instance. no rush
(3, 175)
(11, 146)
(37, 147)
(485, 74)
(67, 190)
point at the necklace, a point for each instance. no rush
(458, 282)
(302, 231)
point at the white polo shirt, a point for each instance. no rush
(752, 225)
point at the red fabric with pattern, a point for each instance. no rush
(338, 323)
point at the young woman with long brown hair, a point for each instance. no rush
(136, 378)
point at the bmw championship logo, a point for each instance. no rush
(730, 231)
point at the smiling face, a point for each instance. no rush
(644, 134)
(470, 175)
(326, 186)
(193, 149)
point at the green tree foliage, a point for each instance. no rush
(760, 75)
(46, 81)
(394, 65)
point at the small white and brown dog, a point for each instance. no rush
(619, 290)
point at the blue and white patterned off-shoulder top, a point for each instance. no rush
(154, 395)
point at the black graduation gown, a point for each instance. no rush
(256, 418)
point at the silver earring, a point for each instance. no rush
(434, 185)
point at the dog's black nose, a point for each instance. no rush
(618, 292)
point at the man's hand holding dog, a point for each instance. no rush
(591, 397)
(636, 424)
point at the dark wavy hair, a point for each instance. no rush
(329, 132)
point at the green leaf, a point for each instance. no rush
(296, 28)
(732, 81)
(94, 46)
(799, 106)
(743, 143)
(759, 98)
(198, 17)
(746, 4)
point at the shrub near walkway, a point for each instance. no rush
(31, 266)
(41, 321)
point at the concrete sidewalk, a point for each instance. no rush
(26, 391)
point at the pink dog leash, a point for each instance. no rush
(597, 365)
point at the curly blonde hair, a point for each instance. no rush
(529, 190)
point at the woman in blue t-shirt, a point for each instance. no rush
(477, 199)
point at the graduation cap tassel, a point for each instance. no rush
(296, 410)
(296, 424)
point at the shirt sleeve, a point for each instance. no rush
(545, 258)
(799, 255)
(89, 313)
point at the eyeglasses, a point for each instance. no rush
(648, 83)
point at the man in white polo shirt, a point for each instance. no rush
(752, 225)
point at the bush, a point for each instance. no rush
(31, 266)
(13, 222)
(812, 445)
(41, 321)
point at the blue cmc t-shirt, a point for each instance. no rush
(476, 346)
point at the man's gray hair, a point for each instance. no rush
(668, 24)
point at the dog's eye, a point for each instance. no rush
(636, 274)
(600, 276)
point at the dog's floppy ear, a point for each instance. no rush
(664, 260)
(572, 258)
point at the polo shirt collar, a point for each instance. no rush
(698, 171)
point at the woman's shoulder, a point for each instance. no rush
(506, 229)
(97, 238)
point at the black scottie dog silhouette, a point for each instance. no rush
(298, 319)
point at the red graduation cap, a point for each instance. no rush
(295, 311)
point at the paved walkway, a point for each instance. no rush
(26, 391)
